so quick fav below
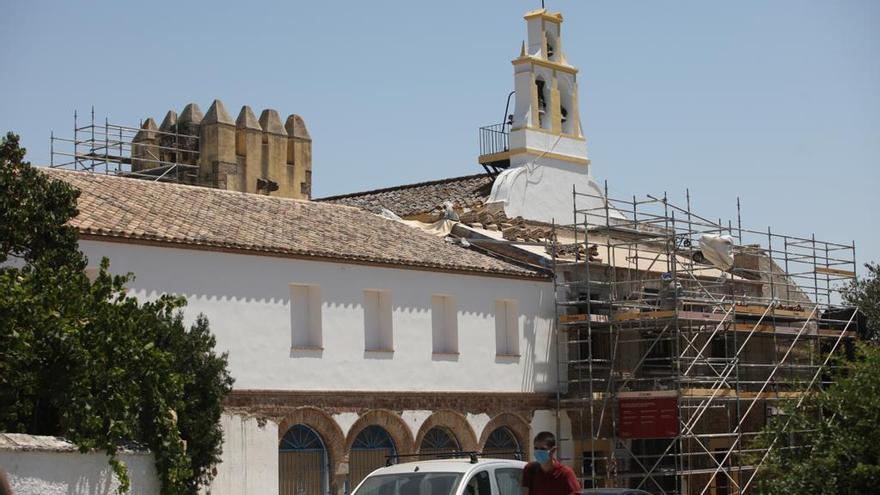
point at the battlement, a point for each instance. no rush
(245, 154)
(261, 156)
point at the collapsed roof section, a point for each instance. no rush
(423, 200)
(646, 225)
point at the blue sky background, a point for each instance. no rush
(777, 102)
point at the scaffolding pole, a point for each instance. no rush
(652, 316)
(169, 156)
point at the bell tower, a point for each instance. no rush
(541, 150)
(546, 120)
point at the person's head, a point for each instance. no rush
(5, 489)
(545, 447)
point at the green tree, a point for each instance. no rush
(82, 359)
(831, 444)
(865, 295)
(33, 212)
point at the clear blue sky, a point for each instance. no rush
(777, 102)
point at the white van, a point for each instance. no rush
(446, 477)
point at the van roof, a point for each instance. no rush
(447, 466)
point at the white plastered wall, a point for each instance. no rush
(414, 419)
(250, 456)
(247, 301)
(544, 142)
(478, 422)
(41, 472)
(523, 81)
(535, 36)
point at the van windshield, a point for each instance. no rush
(410, 484)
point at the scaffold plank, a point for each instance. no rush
(834, 271)
(786, 330)
(756, 310)
(670, 313)
(643, 315)
(578, 318)
(743, 394)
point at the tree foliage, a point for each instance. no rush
(865, 294)
(82, 359)
(33, 212)
(831, 444)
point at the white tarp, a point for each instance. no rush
(543, 193)
(718, 250)
(440, 228)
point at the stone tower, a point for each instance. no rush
(261, 156)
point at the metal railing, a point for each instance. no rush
(494, 139)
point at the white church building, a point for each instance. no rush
(353, 336)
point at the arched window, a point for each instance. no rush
(543, 118)
(369, 451)
(566, 105)
(438, 439)
(302, 463)
(503, 442)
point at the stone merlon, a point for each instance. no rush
(147, 132)
(247, 120)
(191, 114)
(169, 123)
(217, 114)
(271, 122)
(296, 127)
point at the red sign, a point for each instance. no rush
(647, 414)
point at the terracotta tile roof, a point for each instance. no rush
(467, 193)
(142, 210)
(413, 199)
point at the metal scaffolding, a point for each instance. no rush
(671, 364)
(171, 156)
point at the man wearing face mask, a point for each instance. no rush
(548, 476)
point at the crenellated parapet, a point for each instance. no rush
(145, 146)
(261, 156)
(299, 153)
